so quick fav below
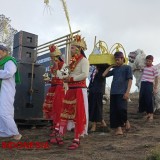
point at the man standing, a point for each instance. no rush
(75, 109)
(8, 78)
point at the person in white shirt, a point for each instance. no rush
(8, 78)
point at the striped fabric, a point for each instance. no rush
(149, 74)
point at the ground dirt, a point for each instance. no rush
(136, 144)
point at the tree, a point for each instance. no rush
(7, 32)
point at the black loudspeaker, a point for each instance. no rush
(25, 54)
(29, 96)
(25, 39)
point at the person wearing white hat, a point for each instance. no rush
(9, 76)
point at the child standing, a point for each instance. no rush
(119, 94)
(149, 84)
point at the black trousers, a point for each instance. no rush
(118, 111)
(95, 107)
(146, 97)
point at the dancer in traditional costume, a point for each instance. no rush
(75, 111)
(52, 106)
(9, 76)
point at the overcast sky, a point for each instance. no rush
(133, 23)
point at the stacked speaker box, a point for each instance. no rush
(25, 39)
(24, 47)
(30, 93)
(25, 54)
(29, 96)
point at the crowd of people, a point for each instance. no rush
(74, 107)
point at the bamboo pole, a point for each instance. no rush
(57, 39)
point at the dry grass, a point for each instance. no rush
(140, 143)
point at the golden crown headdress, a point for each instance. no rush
(54, 50)
(78, 41)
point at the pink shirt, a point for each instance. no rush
(149, 74)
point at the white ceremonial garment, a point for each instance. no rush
(80, 73)
(8, 126)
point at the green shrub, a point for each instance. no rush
(155, 154)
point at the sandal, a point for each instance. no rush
(57, 140)
(75, 144)
(53, 141)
